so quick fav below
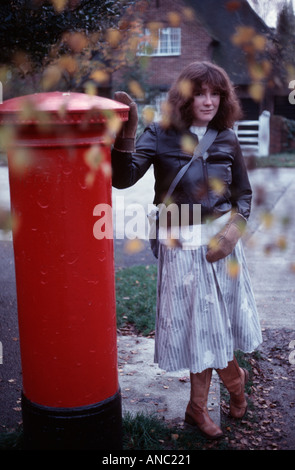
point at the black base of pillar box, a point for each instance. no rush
(93, 427)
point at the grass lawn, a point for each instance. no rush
(280, 160)
(136, 290)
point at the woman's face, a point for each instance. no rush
(205, 106)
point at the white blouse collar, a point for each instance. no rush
(200, 131)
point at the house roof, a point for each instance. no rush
(222, 19)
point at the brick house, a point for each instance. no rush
(168, 30)
(177, 45)
(227, 32)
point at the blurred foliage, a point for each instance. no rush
(261, 60)
(281, 160)
(77, 45)
(58, 44)
(286, 39)
(32, 26)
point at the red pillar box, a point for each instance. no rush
(59, 170)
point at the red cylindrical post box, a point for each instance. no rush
(59, 170)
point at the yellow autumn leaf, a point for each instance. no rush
(21, 161)
(217, 186)
(114, 123)
(166, 114)
(59, 5)
(290, 69)
(172, 242)
(259, 42)
(233, 267)
(113, 37)
(51, 77)
(89, 178)
(154, 26)
(27, 111)
(213, 244)
(185, 88)
(68, 63)
(7, 136)
(188, 144)
(243, 35)
(93, 157)
(174, 19)
(267, 220)
(136, 89)
(106, 168)
(5, 219)
(15, 223)
(77, 41)
(148, 114)
(260, 70)
(256, 91)
(100, 76)
(133, 246)
(282, 242)
(189, 13)
(4, 73)
(90, 89)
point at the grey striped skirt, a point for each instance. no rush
(204, 311)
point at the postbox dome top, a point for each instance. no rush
(60, 107)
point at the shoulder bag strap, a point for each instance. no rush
(201, 148)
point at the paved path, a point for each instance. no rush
(271, 259)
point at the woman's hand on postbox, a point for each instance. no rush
(224, 241)
(125, 139)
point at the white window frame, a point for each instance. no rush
(168, 43)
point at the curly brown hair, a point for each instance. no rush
(179, 109)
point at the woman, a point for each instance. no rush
(204, 312)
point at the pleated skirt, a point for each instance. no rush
(205, 311)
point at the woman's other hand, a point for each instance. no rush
(224, 242)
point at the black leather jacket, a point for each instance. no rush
(219, 183)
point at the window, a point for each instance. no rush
(166, 42)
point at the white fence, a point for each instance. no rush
(254, 135)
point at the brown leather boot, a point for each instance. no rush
(196, 411)
(234, 379)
